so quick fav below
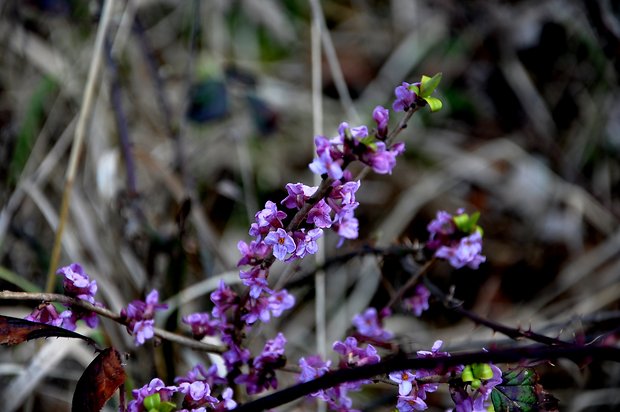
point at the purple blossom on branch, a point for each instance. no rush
(418, 303)
(76, 284)
(282, 243)
(404, 98)
(381, 116)
(155, 386)
(139, 316)
(369, 324)
(45, 313)
(467, 252)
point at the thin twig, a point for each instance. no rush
(66, 300)
(78, 141)
(516, 334)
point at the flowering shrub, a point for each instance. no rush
(312, 211)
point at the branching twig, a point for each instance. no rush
(512, 333)
(575, 353)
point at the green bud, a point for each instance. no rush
(429, 84)
(152, 402)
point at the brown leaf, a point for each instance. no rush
(99, 381)
(14, 331)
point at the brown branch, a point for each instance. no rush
(66, 300)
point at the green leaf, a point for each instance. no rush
(518, 392)
(429, 84)
(466, 223)
(434, 103)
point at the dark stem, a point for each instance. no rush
(575, 353)
(516, 334)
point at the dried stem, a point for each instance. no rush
(78, 140)
(66, 300)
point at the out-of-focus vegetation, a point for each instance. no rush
(203, 113)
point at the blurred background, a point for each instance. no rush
(203, 112)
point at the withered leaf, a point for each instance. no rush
(100, 380)
(14, 331)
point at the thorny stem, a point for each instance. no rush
(411, 282)
(577, 353)
(163, 334)
(516, 334)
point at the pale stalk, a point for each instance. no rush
(78, 139)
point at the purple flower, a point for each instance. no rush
(70, 318)
(381, 116)
(45, 313)
(325, 164)
(355, 133)
(279, 302)
(306, 243)
(282, 243)
(354, 355)
(77, 284)
(347, 226)
(256, 279)
(266, 219)
(466, 253)
(272, 353)
(224, 298)
(368, 324)
(143, 330)
(404, 98)
(256, 308)
(405, 381)
(442, 225)
(410, 403)
(418, 303)
(139, 315)
(298, 195)
(235, 355)
(488, 385)
(197, 393)
(200, 373)
(254, 253)
(202, 324)
(319, 215)
(155, 386)
(342, 196)
(227, 402)
(382, 160)
(312, 367)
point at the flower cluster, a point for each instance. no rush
(196, 389)
(418, 302)
(76, 284)
(139, 317)
(458, 239)
(369, 324)
(355, 143)
(478, 383)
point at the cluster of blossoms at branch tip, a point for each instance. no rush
(458, 239)
(140, 317)
(196, 388)
(76, 284)
(355, 143)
